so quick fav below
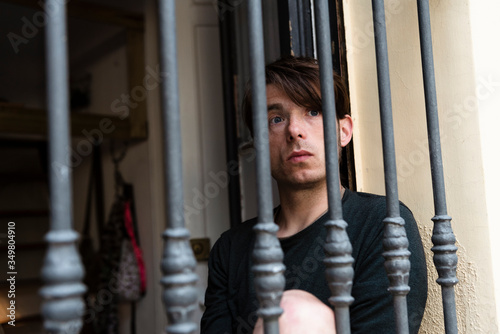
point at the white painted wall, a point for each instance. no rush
(484, 26)
(462, 41)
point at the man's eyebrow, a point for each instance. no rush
(274, 106)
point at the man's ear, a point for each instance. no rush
(345, 129)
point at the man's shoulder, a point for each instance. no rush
(235, 242)
(366, 211)
(356, 202)
(240, 232)
(369, 202)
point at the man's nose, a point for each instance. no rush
(296, 129)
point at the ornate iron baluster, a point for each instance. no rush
(445, 251)
(178, 264)
(338, 249)
(267, 255)
(396, 254)
(62, 271)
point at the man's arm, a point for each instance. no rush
(417, 297)
(373, 309)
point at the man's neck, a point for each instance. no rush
(299, 209)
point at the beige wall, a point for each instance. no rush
(468, 154)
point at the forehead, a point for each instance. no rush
(277, 95)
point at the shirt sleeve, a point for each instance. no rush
(373, 311)
(217, 318)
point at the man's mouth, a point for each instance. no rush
(299, 156)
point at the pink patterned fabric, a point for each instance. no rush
(137, 250)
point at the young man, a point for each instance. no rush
(298, 165)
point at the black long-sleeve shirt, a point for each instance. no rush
(230, 299)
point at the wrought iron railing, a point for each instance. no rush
(338, 249)
(396, 252)
(62, 271)
(445, 251)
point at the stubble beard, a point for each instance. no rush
(304, 178)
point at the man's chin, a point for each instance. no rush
(301, 183)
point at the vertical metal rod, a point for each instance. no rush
(301, 25)
(396, 252)
(445, 251)
(267, 255)
(62, 271)
(313, 28)
(338, 249)
(229, 71)
(178, 264)
(328, 104)
(384, 87)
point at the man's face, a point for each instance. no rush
(295, 141)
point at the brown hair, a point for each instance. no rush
(298, 77)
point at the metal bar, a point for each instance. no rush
(396, 252)
(299, 7)
(338, 249)
(313, 29)
(295, 24)
(62, 271)
(424, 25)
(267, 255)
(445, 251)
(229, 72)
(307, 28)
(178, 264)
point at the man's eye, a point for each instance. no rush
(275, 120)
(313, 113)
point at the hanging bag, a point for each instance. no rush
(122, 274)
